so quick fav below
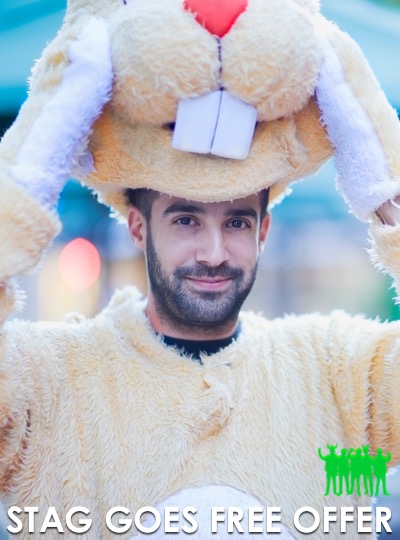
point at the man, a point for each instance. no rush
(112, 411)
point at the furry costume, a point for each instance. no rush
(85, 405)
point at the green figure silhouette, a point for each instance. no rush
(356, 469)
(367, 472)
(344, 471)
(380, 469)
(331, 466)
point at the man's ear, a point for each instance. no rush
(137, 227)
(264, 228)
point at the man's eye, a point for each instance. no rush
(184, 221)
(238, 224)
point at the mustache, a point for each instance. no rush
(200, 270)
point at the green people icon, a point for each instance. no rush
(356, 469)
(331, 466)
(347, 470)
(367, 472)
(380, 470)
(343, 472)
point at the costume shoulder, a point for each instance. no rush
(43, 363)
(337, 366)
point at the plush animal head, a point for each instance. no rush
(217, 99)
(264, 52)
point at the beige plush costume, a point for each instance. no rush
(99, 412)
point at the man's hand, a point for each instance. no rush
(389, 212)
(62, 127)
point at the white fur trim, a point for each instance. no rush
(45, 159)
(363, 174)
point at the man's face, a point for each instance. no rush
(201, 258)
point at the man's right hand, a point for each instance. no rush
(389, 212)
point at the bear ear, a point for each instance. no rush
(312, 5)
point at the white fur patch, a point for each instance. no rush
(45, 159)
(363, 174)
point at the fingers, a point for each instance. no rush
(389, 212)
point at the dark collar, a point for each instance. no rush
(194, 348)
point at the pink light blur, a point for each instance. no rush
(79, 264)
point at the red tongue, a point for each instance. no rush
(217, 16)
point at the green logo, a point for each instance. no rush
(345, 472)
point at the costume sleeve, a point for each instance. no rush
(26, 229)
(70, 85)
(364, 358)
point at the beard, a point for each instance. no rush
(184, 308)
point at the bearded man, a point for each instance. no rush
(183, 390)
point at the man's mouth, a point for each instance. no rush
(210, 284)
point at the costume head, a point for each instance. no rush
(215, 100)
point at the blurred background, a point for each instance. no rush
(316, 256)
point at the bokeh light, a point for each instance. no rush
(80, 264)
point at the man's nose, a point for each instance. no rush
(212, 249)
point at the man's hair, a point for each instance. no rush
(264, 200)
(144, 198)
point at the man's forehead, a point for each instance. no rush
(165, 200)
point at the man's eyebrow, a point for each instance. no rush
(183, 207)
(242, 212)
